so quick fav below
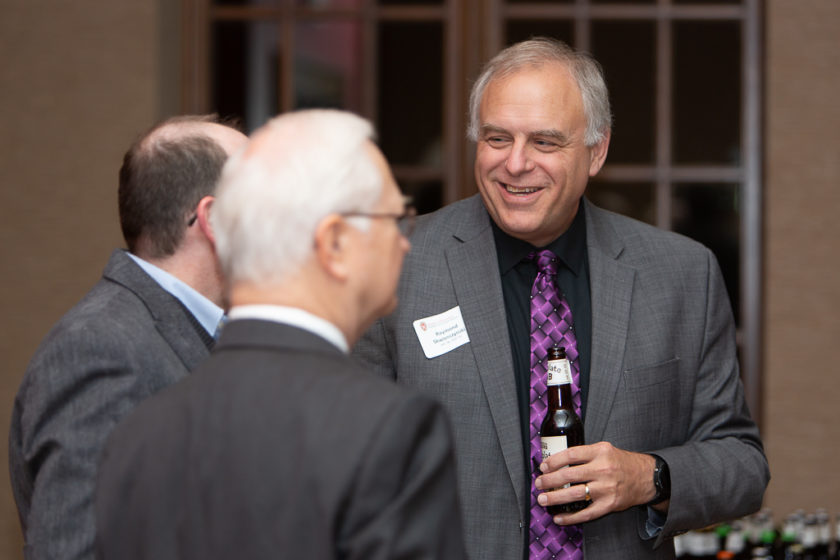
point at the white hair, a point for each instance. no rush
(296, 170)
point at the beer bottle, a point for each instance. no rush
(789, 536)
(561, 427)
(736, 542)
(810, 538)
(823, 534)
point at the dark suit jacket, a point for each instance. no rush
(124, 341)
(664, 376)
(279, 446)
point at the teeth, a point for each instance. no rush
(520, 190)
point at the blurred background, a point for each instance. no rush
(726, 129)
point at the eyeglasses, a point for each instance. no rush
(192, 220)
(405, 221)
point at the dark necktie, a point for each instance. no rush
(551, 323)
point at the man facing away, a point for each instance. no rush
(144, 325)
(279, 446)
(643, 315)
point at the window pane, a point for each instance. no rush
(427, 196)
(630, 199)
(520, 30)
(627, 51)
(328, 65)
(245, 62)
(245, 2)
(540, 1)
(329, 3)
(707, 1)
(709, 213)
(707, 92)
(410, 2)
(411, 92)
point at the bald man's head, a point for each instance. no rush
(164, 175)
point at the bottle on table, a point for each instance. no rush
(836, 552)
(790, 535)
(810, 538)
(736, 542)
(823, 549)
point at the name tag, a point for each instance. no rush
(441, 333)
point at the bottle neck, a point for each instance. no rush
(560, 396)
(559, 382)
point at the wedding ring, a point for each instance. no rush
(588, 496)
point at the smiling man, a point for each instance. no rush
(529, 263)
(533, 159)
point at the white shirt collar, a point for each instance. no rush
(205, 311)
(295, 317)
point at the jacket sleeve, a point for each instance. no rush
(80, 384)
(721, 471)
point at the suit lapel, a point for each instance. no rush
(611, 297)
(171, 318)
(474, 269)
(473, 266)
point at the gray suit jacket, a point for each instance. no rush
(124, 341)
(280, 446)
(664, 376)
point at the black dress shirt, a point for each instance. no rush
(518, 274)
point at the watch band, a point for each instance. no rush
(661, 481)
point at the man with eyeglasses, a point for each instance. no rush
(146, 324)
(279, 446)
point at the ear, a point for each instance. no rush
(333, 244)
(203, 213)
(598, 154)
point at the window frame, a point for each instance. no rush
(473, 31)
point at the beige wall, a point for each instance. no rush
(79, 79)
(802, 312)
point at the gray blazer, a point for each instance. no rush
(124, 341)
(664, 376)
(279, 446)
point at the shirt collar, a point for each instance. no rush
(295, 317)
(207, 313)
(569, 247)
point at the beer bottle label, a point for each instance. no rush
(559, 373)
(553, 444)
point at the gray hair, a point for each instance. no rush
(535, 53)
(298, 168)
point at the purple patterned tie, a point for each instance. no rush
(551, 323)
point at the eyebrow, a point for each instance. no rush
(547, 133)
(492, 129)
(551, 133)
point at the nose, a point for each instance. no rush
(518, 160)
